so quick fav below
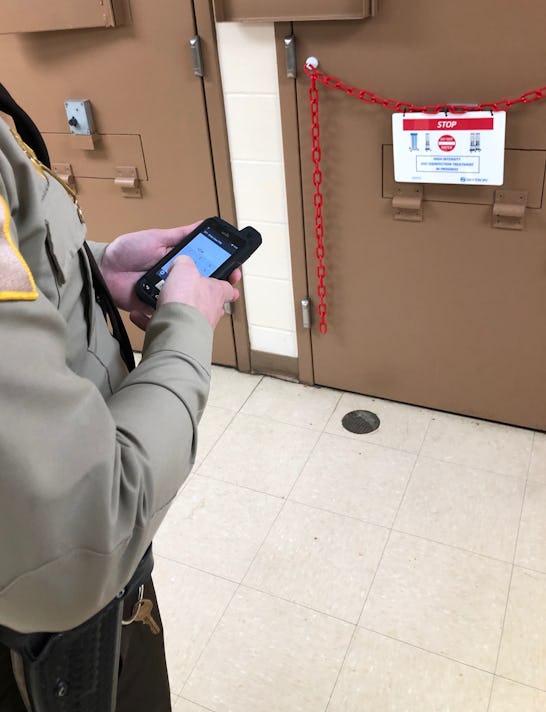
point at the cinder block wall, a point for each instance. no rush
(248, 65)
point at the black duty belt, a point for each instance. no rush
(77, 670)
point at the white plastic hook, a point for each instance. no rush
(312, 62)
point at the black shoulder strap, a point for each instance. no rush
(28, 131)
(26, 128)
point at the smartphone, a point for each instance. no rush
(216, 247)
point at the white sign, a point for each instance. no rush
(449, 148)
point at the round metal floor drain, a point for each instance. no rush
(360, 421)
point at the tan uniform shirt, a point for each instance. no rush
(90, 457)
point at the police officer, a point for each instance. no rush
(91, 454)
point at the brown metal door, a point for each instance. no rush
(149, 109)
(449, 312)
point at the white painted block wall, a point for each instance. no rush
(248, 65)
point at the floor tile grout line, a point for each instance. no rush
(256, 385)
(428, 650)
(245, 487)
(235, 413)
(323, 432)
(197, 568)
(347, 622)
(530, 569)
(237, 589)
(266, 416)
(206, 644)
(486, 470)
(332, 413)
(287, 497)
(259, 377)
(281, 510)
(348, 437)
(293, 602)
(187, 699)
(530, 462)
(217, 439)
(508, 592)
(236, 582)
(523, 684)
(387, 540)
(241, 585)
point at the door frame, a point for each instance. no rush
(215, 109)
(294, 195)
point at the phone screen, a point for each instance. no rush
(207, 249)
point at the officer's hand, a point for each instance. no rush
(185, 285)
(128, 257)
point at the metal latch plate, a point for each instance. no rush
(509, 209)
(407, 202)
(127, 179)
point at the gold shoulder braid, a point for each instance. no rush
(29, 152)
(42, 170)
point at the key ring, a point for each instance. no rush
(136, 607)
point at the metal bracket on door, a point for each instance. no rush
(407, 202)
(509, 209)
(290, 54)
(127, 179)
(196, 56)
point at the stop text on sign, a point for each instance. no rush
(485, 123)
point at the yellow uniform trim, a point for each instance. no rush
(19, 273)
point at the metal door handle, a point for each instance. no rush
(290, 52)
(306, 312)
(196, 56)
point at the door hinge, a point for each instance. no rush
(407, 202)
(306, 312)
(290, 54)
(196, 56)
(509, 209)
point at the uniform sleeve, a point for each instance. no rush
(97, 249)
(84, 481)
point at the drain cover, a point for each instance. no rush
(360, 421)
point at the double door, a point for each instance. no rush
(448, 312)
(150, 113)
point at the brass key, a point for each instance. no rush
(144, 615)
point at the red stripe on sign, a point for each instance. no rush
(447, 123)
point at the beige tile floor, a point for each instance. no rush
(303, 568)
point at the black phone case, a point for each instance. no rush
(253, 241)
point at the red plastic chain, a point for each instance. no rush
(318, 201)
(370, 98)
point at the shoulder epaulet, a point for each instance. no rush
(16, 280)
